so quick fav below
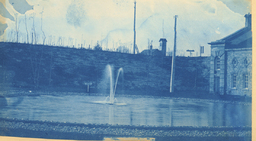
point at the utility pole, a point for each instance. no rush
(173, 57)
(134, 28)
(26, 29)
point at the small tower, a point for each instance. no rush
(163, 46)
(248, 20)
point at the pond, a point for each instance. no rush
(137, 110)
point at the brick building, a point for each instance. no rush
(231, 62)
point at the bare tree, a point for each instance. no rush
(9, 35)
(70, 42)
(26, 28)
(42, 27)
(19, 34)
(75, 43)
(16, 25)
(33, 29)
(82, 41)
(63, 41)
(12, 36)
(36, 56)
(59, 42)
(53, 40)
(32, 38)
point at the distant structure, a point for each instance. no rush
(190, 52)
(163, 46)
(156, 52)
(201, 50)
(231, 62)
(122, 49)
(152, 52)
(151, 47)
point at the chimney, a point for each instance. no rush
(163, 45)
(248, 20)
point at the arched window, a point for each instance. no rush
(246, 62)
(217, 63)
(234, 62)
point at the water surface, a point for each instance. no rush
(139, 110)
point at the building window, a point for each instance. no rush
(246, 63)
(234, 80)
(234, 62)
(217, 63)
(245, 80)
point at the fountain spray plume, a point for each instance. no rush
(112, 87)
(111, 97)
(118, 73)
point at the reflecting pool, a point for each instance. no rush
(138, 110)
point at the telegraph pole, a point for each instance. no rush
(134, 28)
(173, 57)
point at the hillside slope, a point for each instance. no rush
(60, 68)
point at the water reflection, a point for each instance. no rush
(138, 111)
(131, 117)
(111, 114)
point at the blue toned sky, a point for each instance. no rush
(110, 22)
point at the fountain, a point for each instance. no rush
(113, 88)
(111, 98)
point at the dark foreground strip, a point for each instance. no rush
(55, 130)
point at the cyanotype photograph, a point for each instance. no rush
(126, 70)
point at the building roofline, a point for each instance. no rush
(238, 49)
(164, 39)
(238, 33)
(231, 36)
